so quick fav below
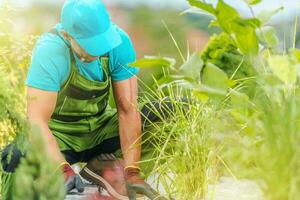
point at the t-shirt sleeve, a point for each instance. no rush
(122, 56)
(47, 71)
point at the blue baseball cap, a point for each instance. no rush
(88, 22)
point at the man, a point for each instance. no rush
(72, 70)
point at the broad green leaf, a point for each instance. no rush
(214, 77)
(253, 2)
(283, 68)
(195, 10)
(150, 62)
(203, 6)
(239, 100)
(246, 39)
(268, 37)
(193, 67)
(266, 15)
(226, 15)
(172, 78)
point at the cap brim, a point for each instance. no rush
(101, 44)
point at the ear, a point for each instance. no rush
(65, 34)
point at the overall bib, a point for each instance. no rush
(82, 117)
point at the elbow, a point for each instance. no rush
(37, 120)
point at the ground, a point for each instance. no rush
(227, 189)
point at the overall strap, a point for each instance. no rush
(54, 31)
(105, 63)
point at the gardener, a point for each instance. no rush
(73, 68)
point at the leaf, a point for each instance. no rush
(246, 39)
(283, 68)
(253, 2)
(194, 10)
(226, 15)
(149, 62)
(266, 15)
(203, 6)
(171, 78)
(268, 36)
(214, 77)
(240, 104)
(193, 67)
(243, 30)
(239, 100)
(252, 22)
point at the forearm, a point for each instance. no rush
(49, 140)
(130, 136)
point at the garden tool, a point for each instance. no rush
(136, 185)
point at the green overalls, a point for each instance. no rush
(82, 116)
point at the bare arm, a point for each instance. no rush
(125, 94)
(40, 106)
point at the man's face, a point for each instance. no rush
(80, 52)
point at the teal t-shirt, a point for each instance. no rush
(51, 62)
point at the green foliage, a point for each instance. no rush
(268, 37)
(12, 115)
(276, 157)
(38, 177)
(284, 69)
(243, 31)
(265, 15)
(259, 132)
(184, 155)
(222, 52)
(204, 6)
(214, 77)
(193, 67)
(14, 61)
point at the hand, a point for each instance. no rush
(72, 180)
(136, 185)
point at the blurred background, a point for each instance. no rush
(143, 21)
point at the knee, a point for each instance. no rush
(10, 158)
